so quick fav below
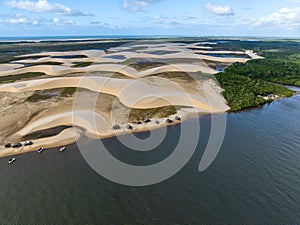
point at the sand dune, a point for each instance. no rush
(144, 96)
(10, 66)
(88, 53)
(176, 51)
(220, 52)
(90, 121)
(54, 70)
(141, 89)
(67, 136)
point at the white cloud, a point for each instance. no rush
(61, 22)
(43, 6)
(219, 9)
(289, 17)
(34, 22)
(15, 21)
(55, 20)
(137, 5)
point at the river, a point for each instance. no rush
(255, 179)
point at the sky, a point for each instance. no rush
(277, 18)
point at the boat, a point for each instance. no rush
(10, 161)
(17, 145)
(62, 149)
(28, 143)
(40, 150)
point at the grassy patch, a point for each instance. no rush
(68, 91)
(18, 77)
(81, 64)
(37, 96)
(141, 114)
(48, 94)
(146, 65)
(175, 75)
(108, 74)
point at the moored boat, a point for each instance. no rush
(10, 161)
(40, 150)
(62, 149)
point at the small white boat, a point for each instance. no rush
(40, 150)
(11, 160)
(62, 149)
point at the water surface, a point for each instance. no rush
(255, 179)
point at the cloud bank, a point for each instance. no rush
(43, 6)
(137, 5)
(219, 9)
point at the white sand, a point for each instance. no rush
(54, 70)
(142, 90)
(144, 96)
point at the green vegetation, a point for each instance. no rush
(37, 96)
(245, 92)
(145, 65)
(141, 114)
(48, 94)
(81, 64)
(18, 77)
(68, 91)
(279, 71)
(246, 83)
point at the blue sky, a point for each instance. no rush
(150, 17)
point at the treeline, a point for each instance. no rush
(278, 71)
(244, 92)
(261, 46)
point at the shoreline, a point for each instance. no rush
(72, 139)
(70, 136)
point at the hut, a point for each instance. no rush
(177, 118)
(169, 121)
(147, 120)
(8, 145)
(28, 143)
(17, 145)
(116, 127)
